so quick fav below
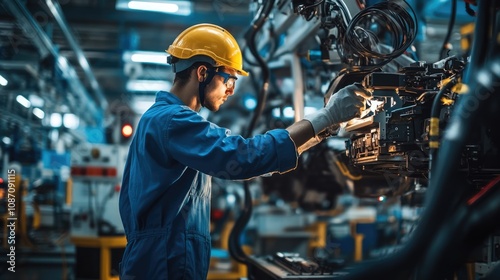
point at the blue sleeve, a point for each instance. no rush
(208, 148)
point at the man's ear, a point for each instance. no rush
(201, 73)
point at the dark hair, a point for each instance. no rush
(182, 77)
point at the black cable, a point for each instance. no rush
(472, 224)
(494, 47)
(469, 10)
(398, 20)
(481, 37)
(440, 191)
(451, 24)
(435, 120)
(468, 226)
(235, 248)
(261, 99)
(303, 10)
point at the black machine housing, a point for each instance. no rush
(389, 144)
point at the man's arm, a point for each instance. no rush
(301, 132)
(344, 105)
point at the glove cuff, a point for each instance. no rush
(319, 120)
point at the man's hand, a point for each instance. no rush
(342, 106)
(347, 103)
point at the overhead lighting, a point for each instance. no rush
(55, 120)
(309, 110)
(145, 57)
(289, 112)
(6, 140)
(71, 121)
(23, 101)
(249, 102)
(39, 113)
(170, 7)
(36, 100)
(140, 103)
(148, 85)
(3, 81)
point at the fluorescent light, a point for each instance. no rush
(309, 110)
(170, 7)
(289, 112)
(55, 120)
(156, 7)
(148, 85)
(145, 57)
(23, 101)
(39, 113)
(36, 100)
(249, 102)
(63, 62)
(140, 103)
(6, 140)
(3, 81)
(71, 121)
(141, 106)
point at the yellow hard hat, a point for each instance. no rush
(208, 40)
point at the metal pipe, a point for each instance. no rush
(31, 28)
(298, 89)
(58, 15)
(33, 31)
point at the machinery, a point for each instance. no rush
(96, 172)
(428, 138)
(95, 226)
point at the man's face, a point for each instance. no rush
(217, 92)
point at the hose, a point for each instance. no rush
(441, 190)
(359, 40)
(479, 44)
(435, 121)
(235, 248)
(451, 23)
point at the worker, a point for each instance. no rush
(166, 188)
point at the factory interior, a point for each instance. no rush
(396, 193)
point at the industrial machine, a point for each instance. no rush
(96, 228)
(428, 138)
(96, 173)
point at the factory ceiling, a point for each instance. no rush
(73, 53)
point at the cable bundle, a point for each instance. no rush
(378, 34)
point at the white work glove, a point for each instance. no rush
(342, 106)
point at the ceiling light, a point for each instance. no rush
(171, 7)
(39, 113)
(289, 112)
(151, 6)
(145, 57)
(3, 81)
(36, 100)
(148, 85)
(249, 102)
(71, 121)
(23, 101)
(55, 120)
(140, 103)
(6, 140)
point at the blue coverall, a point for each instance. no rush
(166, 188)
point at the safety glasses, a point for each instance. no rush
(229, 80)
